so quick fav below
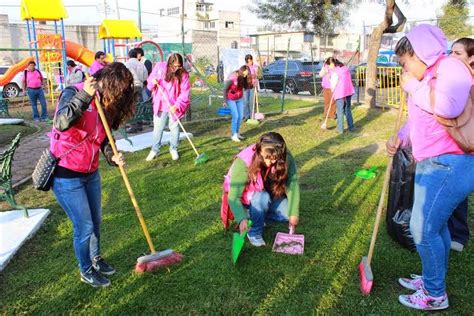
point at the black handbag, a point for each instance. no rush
(44, 171)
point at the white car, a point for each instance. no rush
(15, 86)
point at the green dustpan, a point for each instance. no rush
(367, 174)
(252, 122)
(238, 241)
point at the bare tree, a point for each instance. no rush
(374, 46)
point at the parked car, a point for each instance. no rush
(299, 76)
(15, 86)
(388, 74)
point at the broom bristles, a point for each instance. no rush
(366, 277)
(159, 263)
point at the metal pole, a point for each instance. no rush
(268, 50)
(182, 26)
(35, 42)
(312, 69)
(104, 42)
(284, 76)
(63, 39)
(113, 48)
(118, 9)
(56, 27)
(140, 15)
(260, 65)
(29, 36)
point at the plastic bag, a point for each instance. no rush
(400, 198)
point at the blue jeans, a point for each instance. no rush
(159, 122)
(457, 224)
(80, 199)
(263, 208)
(34, 95)
(441, 184)
(249, 101)
(146, 94)
(343, 107)
(236, 109)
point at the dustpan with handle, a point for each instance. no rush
(291, 243)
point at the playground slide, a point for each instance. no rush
(13, 70)
(73, 50)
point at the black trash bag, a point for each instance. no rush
(400, 198)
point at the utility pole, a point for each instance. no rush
(118, 10)
(140, 15)
(105, 8)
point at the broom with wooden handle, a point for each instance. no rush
(156, 259)
(365, 271)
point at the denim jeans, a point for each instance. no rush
(249, 101)
(343, 107)
(159, 122)
(263, 208)
(80, 199)
(441, 184)
(457, 224)
(236, 109)
(34, 95)
(146, 94)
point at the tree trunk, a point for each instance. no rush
(374, 46)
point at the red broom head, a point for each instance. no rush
(159, 263)
(366, 277)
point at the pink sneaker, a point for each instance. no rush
(415, 282)
(422, 301)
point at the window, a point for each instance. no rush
(173, 11)
(162, 12)
(234, 44)
(292, 66)
(209, 25)
(200, 7)
(229, 24)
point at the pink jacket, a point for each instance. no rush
(253, 186)
(177, 94)
(95, 67)
(452, 86)
(85, 157)
(344, 85)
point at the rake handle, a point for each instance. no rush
(385, 186)
(163, 97)
(124, 175)
(329, 109)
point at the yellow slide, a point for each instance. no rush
(73, 50)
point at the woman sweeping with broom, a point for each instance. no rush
(171, 81)
(262, 184)
(234, 98)
(76, 138)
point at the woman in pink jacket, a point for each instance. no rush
(170, 89)
(76, 138)
(342, 91)
(441, 180)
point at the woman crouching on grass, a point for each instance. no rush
(76, 138)
(262, 185)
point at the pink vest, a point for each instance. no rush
(85, 157)
(34, 79)
(252, 186)
(344, 85)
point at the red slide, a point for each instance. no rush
(73, 50)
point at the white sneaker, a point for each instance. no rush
(174, 154)
(151, 155)
(256, 241)
(457, 246)
(240, 137)
(235, 138)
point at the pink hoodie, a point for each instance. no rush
(452, 87)
(177, 94)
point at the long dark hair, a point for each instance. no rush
(271, 146)
(170, 75)
(115, 86)
(244, 82)
(404, 47)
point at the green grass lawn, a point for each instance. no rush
(8, 132)
(181, 204)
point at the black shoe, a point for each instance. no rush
(94, 278)
(101, 266)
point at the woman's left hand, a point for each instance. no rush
(119, 159)
(293, 221)
(405, 78)
(173, 109)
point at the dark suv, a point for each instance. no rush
(299, 76)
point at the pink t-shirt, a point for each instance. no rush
(34, 79)
(95, 67)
